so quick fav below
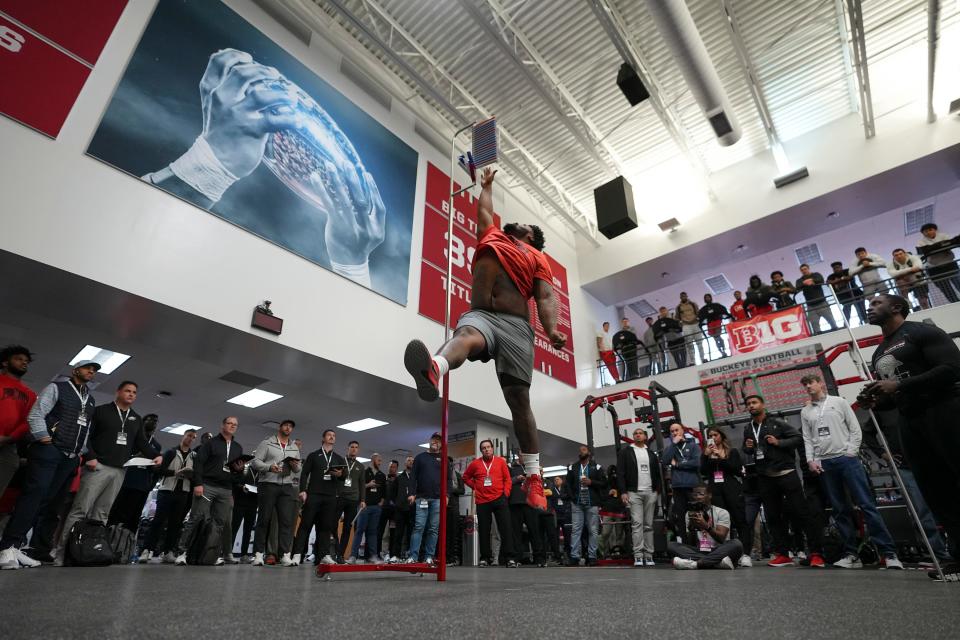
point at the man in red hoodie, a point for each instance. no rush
(489, 478)
(508, 270)
(15, 402)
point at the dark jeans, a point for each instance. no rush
(732, 549)
(454, 535)
(845, 474)
(127, 508)
(404, 521)
(367, 523)
(729, 495)
(521, 514)
(347, 509)
(386, 515)
(548, 529)
(931, 441)
(752, 504)
(244, 509)
(486, 511)
(49, 472)
(678, 508)
(679, 351)
(282, 500)
(787, 491)
(319, 511)
(172, 507)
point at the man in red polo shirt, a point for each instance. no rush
(738, 309)
(489, 477)
(508, 270)
(15, 402)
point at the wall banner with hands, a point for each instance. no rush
(215, 113)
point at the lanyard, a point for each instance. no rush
(327, 459)
(823, 407)
(486, 467)
(84, 394)
(583, 470)
(227, 459)
(283, 446)
(123, 418)
(350, 468)
(756, 432)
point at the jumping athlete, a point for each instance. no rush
(507, 271)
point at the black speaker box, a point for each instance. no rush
(631, 85)
(615, 211)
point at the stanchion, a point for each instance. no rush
(867, 376)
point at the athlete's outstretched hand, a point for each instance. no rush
(486, 178)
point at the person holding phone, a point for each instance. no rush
(722, 468)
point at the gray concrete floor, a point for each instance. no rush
(242, 602)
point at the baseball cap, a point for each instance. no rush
(87, 363)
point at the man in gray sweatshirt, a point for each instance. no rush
(868, 267)
(277, 463)
(831, 439)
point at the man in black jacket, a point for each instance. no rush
(669, 335)
(403, 514)
(389, 507)
(771, 444)
(454, 535)
(587, 485)
(319, 481)
(521, 513)
(138, 482)
(625, 343)
(638, 480)
(214, 466)
(115, 434)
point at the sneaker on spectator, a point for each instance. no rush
(484, 563)
(257, 560)
(286, 560)
(649, 561)
(638, 562)
(245, 559)
(512, 564)
(327, 560)
(8, 559)
(156, 559)
(591, 562)
(745, 561)
(231, 559)
(410, 561)
(780, 560)
(893, 562)
(169, 557)
(816, 561)
(351, 560)
(26, 561)
(57, 562)
(220, 562)
(295, 560)
(683, 563)
(849, 561)
(146, 556)
(180, 560)
(726, 563)
(429, 561)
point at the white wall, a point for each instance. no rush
(73, 212)
(836, 155)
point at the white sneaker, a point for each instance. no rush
(351, 560)
(295, 560)
(220, 562)
(327, 560)
(745, 561)
(231, 559)
(157, 559)
(648, 561)
(8, 558)
(170, 557)
(410, 561)
(146, 556)
(27, 562)
(638, 562)
(682, 563)
(257, 560)
(850, 561)
(429, 561)
(180, 560)
(893, 562)
(285, 560)
(726, 563)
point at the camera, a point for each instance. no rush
(697, 507)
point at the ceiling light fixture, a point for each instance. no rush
(362, 425)
(109, 361)
(554, 474)
(556, 468)
(425, 445)
(363, 460)
(179, 428)
(254, 398)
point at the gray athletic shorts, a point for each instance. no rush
(509, 342)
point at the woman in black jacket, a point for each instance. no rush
(722, 468)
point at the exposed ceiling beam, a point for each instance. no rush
(462, 108)
(556, 96)
(847, 54)
(616, 30)
(933, 39)
(858, 41)
(752, 79)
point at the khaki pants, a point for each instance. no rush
(98, 489)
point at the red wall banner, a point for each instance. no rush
(47, 50)
(768, 330)
(558, 364)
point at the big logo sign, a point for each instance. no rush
(768, 330)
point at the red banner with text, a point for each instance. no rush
(768, 330)
(47, 50)
(558, 364)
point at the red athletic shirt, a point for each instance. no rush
(738, 311)
(523, 263)
(500, 485)
(15, 402)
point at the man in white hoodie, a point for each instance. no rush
(831, 439)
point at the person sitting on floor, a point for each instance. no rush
(707, 536)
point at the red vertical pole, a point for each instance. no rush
(444, 470)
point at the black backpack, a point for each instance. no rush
(123, 543)
(205, 545)
(88, 545)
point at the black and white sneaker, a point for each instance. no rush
(951, 573)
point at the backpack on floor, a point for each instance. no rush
(122, 541)
(88, 545)
(205, 544)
